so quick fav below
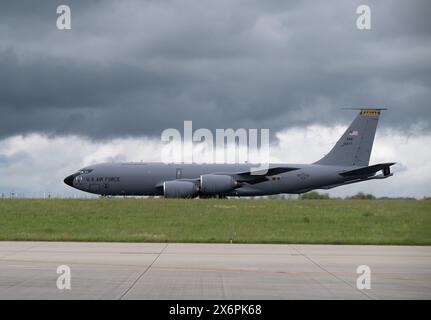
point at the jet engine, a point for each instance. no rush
(180, 189)
(212, 184)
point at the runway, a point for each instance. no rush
(211, 271)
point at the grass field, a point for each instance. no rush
(392, 222)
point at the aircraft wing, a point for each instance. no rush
(250, 177)
(253, 177)
(369, 170)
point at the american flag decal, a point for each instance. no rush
(353, 133)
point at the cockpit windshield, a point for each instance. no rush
(85, 171)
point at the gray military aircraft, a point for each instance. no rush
(346, 163)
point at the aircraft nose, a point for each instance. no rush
(69, 180)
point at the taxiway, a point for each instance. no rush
(211, 271)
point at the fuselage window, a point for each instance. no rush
(179, 173)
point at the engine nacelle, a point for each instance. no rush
(180, 189)
(212, 184)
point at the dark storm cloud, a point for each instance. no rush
(138, 67)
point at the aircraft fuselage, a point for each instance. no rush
(143, 178)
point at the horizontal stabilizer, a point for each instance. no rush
(368, 170)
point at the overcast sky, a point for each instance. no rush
(127, 70)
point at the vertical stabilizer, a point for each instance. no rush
(355, 145)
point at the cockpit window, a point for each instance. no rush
(85, 171)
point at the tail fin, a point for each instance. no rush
(354, 146)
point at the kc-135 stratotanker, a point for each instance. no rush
(346, 163)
